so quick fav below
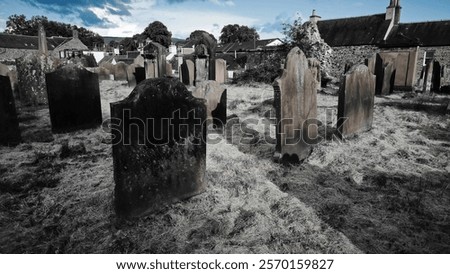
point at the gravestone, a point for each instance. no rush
(388, 79)
(74, 99)
(130, 75)
(31, 80)
(201, 70)
(216, 101)
(4, 70)
(120, 71)
(9, 125)
(169, 70)
(151, 69)
(187, 73)
(139, 61)
(296, 107)
(139, 74)
(376, 64)
(221, 71)
(356, 101)
(445, 84)
(159, 147)
(436, 78)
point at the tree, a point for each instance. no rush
(159, 33)
(18, 24)
(128, 44)
(237, 33)
(198, 34)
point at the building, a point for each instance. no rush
(408, 45)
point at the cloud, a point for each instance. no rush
(83, 9)
(217, 2)
(275, 27)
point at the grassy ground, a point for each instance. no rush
(385, 191)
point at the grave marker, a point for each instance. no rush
(356, 101)
(9, 125)
(159, 148)
(74, 99)
(296, 107)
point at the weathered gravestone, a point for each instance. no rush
(356, 101)
(74, 99)
(388, 79)
(201, 70)
(296, 108)
(216, 101)
(169, 70)
(151, 69)
(187, 74)
(385, 74)
(221, 71)
(159, 147)
(120, 71)
(139, 74)
(445, 79)
(9, 125)
(130, 75)
(31, 80)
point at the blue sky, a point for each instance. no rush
(125, 18)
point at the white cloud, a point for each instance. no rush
(180, 21)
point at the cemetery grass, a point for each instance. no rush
(384, 191)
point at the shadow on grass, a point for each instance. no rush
(386, 213)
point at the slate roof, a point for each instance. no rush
(354, 31)
(424, 34)
(28, 42)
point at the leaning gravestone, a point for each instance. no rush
(159, 147)
(296, 107)
(216, 101)
(9, 125)
(356, 101)
(139, 74)
(74, 99)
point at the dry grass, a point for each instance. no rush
(385, 191)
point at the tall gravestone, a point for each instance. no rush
(74, 99)
(9, 125)
(356, 101)
(187, 72)
(31, 80)
(221, 71)
(159, 147)
(151, 69)
(216, 101)
(436, 78)
(201, 70)
(388, 79)
(296, 108)
(131, 69)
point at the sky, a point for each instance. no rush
(128, 17)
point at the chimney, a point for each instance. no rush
(393, 12)
(75, 34)
(42, 40)
(314, 18)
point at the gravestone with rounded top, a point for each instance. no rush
(296, 108)
(74, 99)
(159, 147)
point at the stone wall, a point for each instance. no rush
(354, 55)
(442, 55)
(8, 56)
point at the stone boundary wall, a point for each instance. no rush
(351, 54)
